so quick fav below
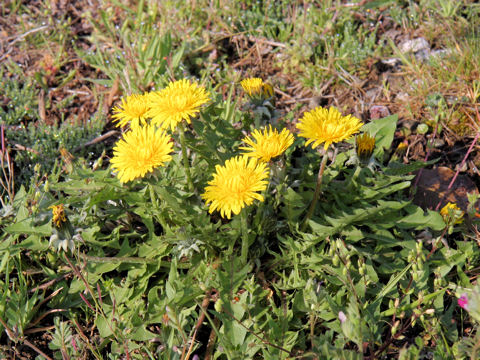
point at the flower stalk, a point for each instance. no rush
(354, 177)
(318, 187)
(245, 243)
(186, 163)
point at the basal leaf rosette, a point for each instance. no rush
(327, 126)
(236, 185)
(267, 144)
(180, 100)
(140, 151)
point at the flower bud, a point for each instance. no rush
(336, 260)
(364, 147)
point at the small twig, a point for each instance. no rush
(14, 338)
(278, 91)
(41, 106)
(25, 148)
(205, 302)
(51, 311)
(434, 246)
(24, 35)
(211, 339)
(52, 295)
(97, 140)
(51, 282)
(265, 41)
(29, 344)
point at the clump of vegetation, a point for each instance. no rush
(228, 220)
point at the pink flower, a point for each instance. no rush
(342, 317)
(463, 301)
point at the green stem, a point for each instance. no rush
(261, 206)
(244, 253)
(186, 163)
(311, 209)
(354, 177)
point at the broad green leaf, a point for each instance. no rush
(383, 129)
(419, 220)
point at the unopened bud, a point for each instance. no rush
(395, 327)
(331, 251)
(336, 260)
(218, 305)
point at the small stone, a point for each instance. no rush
(388, 65)
(378, 112)
(440, 53)
(422, 55)
(414, 45)
(402, 97)
(437, 143)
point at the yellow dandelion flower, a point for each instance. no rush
(365, 145)
(452, 211)
(253, 86)
(235, 185)
(59, 216)
(140, 151)
(267, 144)
(180, 100)
(133, 109)
(268, 90)
(327, 126)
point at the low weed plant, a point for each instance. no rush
(220, 234)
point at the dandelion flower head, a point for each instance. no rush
(327, 126)
(236, 185)
(180, 100)
(59, 216)
(133, 110)
(452, 211)
(267, 144)
(140, 151)
(252, 86)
